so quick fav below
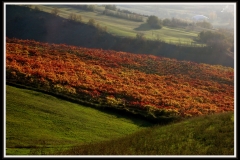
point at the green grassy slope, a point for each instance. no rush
(37, 123)
(201, 136)
(41, 124)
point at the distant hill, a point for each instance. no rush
(220, 15)
(26, 23)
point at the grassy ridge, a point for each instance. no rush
(37, 123)
(206, 135)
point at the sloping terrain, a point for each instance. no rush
(205, 136)
(26, 23)
(38, 123)
(155, 87)
(126, 90)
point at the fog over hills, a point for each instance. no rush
(218, 13)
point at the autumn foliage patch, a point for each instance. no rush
(143, 84)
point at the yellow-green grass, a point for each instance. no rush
(37, 123)
(200, 136)
(127, 28)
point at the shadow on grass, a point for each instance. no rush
(136, 118)
(143, 27)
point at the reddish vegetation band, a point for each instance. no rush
(120, 79)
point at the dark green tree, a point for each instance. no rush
(140, 36)
(154, 22)
(166, 22)
(204, 24)
(91, 7)
(206, 36)
(214, 39)
(111, 7)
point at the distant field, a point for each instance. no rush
(37, 123)
(180, 11)
(127, 28)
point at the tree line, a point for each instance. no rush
(157, 23)
(124, 15)
(221, 40)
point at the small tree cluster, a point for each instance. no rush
(206, 36)
(91, 22)
(120, 14)
(111, 7)
(140, 36)
(214, 39)
(87, 7)
(154, 22)
(101, 28)
(75, 17)
(55, 11)
(204, 24)
(36, 8)
(174, 22)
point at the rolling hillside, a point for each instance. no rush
(37, 123)
(75, 89)
(122, 27)
(206, 136)
(155, 87)
(220, 19)
(25, 23)
(40, 124)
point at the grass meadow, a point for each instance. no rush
(207, 135)
(37, 123)
(40, 124)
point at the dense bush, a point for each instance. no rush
(124, 15)
(218, 41)
(75, 17)
(111, 7)
(92, 22)
(174, 22)
(204, 24)
(140, 36)
(206, 36)
(154, 22)
(55, 11)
